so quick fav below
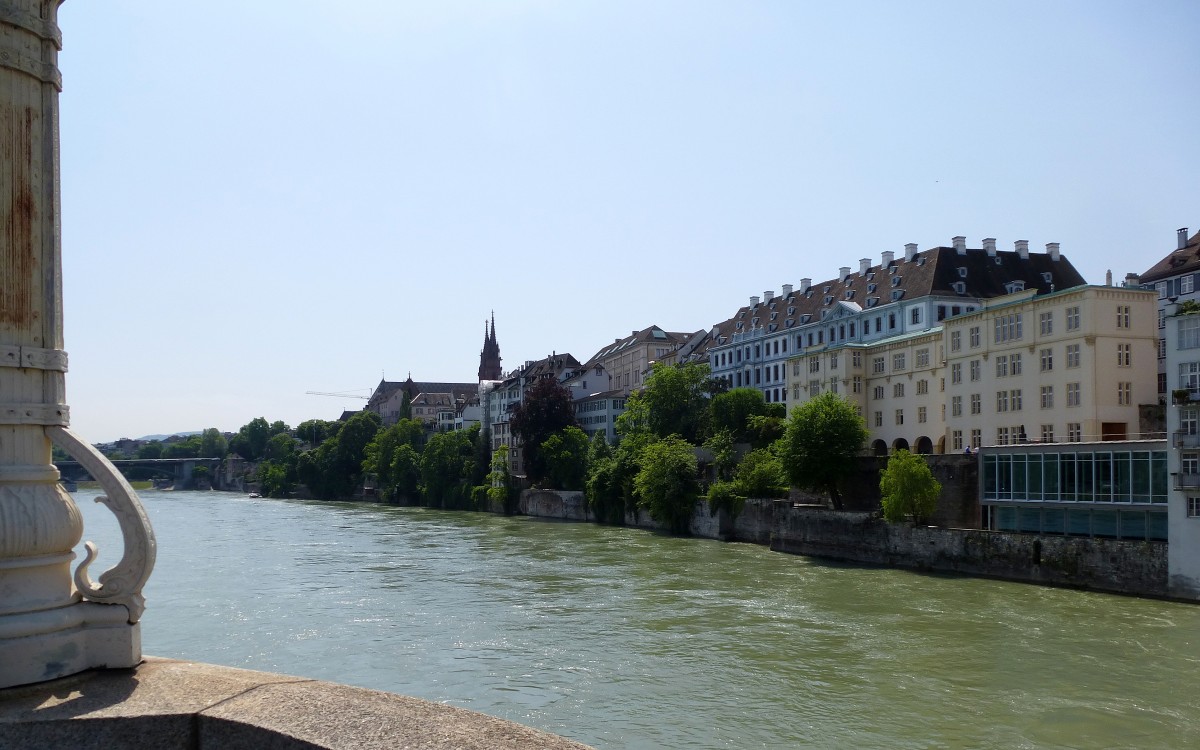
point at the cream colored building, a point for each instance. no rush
(1066, 366)
(628, 360)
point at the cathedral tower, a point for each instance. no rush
(489, 358)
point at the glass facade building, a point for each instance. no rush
(1116, 490)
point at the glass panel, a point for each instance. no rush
(1079, 522)
(1122, 478)
(1066, 484)
(1104, 523)
(989, 477)
(1133, 524)
(1054, 521)
(1102, 492)
(1084, 480)
(1158, 526)
(1030, 520)
(1158, 477)
(1018, 475)
(1006, 518)
(1141, 476)
(1050, 477)
(1034, 491)
(1004, 477)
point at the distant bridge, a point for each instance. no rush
(178, 469)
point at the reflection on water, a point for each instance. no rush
(620, 638)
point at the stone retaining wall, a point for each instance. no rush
(1124, 567)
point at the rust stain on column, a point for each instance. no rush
(17, 215)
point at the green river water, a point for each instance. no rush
(621, 638)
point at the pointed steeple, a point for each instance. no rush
(489, 358)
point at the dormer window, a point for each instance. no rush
(823, 314)
(999, 260)
(870, 288)
(791, 311)
(892, 270)
(808, 294)
(849, 294)
(789, 323)
(805, 318)
(897, 294)
(920, 260)
(1015, 286)
(1047, 277)
(828, 298)
(872, 301)
(739, 325)
(960, 287)
(774, 315)
(771, 328)
(870, 275)
(754, 323)
(896, 281)
(825, 290)
(962, 272)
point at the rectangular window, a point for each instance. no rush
(1193, 509)
(898, 390)
(857, 381)
(1124, 355)
(916, 315)
(1046, 323)
(1189, 376)
(1014, 365)
(877, 392)
(1007, 328)
(1001, 436)
(1072, 318)
(879, 419)
(1124, 394)
(956, 440)
(1002, 366)
(1001, 401)
(1189, 331)
(1072, 355)
(877, 365)
(898, 362)
(956, 406)
(1122, 316)
(955, 341)
(922, 412)
(857, 359)
(814, 388)
(1186, 284)
(976, 370)
(974, 337)
(976, 403)
(899, 416)
(833, 362)
(1047, 433)
(1072, 394)
(1047, 360)
(814, 364)
(1014, 399)
(922, 358)
(976, 439)
(956, 373)
(1074, 433)
(1047, 397)
(922, 387)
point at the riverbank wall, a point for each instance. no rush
(1114, 566)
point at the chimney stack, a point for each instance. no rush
(910, 252)
(864, 265)
(887, 259)
(1108, 278)
(805, 284)
(960, 244)
(1132, 281)
(768, 296)
(1022, 248)
(787, 290)
(1181, 238)
(753, 302)
(989, 246)
(1052, 250)
(843, 273)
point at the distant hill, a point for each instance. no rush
(170, 434)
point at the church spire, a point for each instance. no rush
(489, 358)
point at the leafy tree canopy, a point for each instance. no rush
(545, 410)
(908, 488)
(251, 439)
(674, 400)
(823, 439)
(731, 409)
(446, 467)
(565, 455)
(213, 444)
(667, 484)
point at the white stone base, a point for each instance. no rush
(52, 643)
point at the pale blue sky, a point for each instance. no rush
(265, 198)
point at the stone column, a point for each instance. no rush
(48, 626)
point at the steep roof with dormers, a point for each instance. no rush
(651, 335)
(940, 271)
(1184, 260)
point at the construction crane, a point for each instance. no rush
(339, 395)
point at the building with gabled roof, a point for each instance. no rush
(628, 359)
(1174, 278)
(388, 398)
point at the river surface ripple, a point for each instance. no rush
(620, 638)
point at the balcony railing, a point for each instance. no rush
(1184, 439)
(1186, 481)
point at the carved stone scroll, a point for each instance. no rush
(123, 583)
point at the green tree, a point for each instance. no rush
(908, 488)
(213, 443)
(762, 430)
(731, 410)
(251, 439)
(405, 473)
(152, 449)
(334, 470)
(500, 486)
(186, 448)
(667, 484)
(317, 431)
(446, 465)
(761, 474)
(380, 454)
(720, 444)
(674, 400)
(565, 456)
(545, 410)
(821, 444)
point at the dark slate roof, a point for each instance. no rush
(1183, 260)
(930, 272)
(387, 388)
(653, 334)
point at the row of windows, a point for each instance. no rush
(1101, 476)
(1096, 522)
(1010, 327)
